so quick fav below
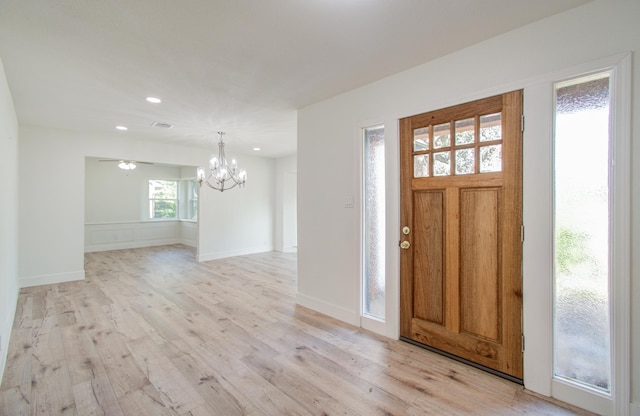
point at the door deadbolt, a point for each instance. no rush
(406, 230)
(405, 245)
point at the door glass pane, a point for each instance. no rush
(373, 227)
(465, 161)
(421, 139)
(420, 166)
(441, 165)
(491, 158)
(491, 127)
(442, 135)
(465, 131)
(581, 234)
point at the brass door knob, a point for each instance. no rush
(405, 245)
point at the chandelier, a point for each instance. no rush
(223, 175)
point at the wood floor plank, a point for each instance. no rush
(17, 372)
(262, 394)
(96, 397)
(223, 397)
(80, 354)
(51, 391)
(123, 372)
(151, 331)
(15, 401)
(175, 390)
(145, 401)
(24, 311)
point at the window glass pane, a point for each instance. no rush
(491, 127)
(464, 161)
(491, 158)
(374, 227)
(162, 208)
(420, 166)
(193, 200)
(465, 131)
(163, 189)
(441, 165)
(581, 246)
(421, 139)
(442, 135)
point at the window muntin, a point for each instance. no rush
(476, 147)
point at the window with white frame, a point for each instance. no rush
(163, 199)
(373, 279)
(581, 218)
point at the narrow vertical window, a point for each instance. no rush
(581, 234)
(374, 222)
(192, 210)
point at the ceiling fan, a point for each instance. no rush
(126, 164)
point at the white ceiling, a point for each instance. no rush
(242, 66)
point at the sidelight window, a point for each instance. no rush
(581, 232)
(374, 222)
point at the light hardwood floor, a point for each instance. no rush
(152, 332)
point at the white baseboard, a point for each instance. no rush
(49, 279)
(188, 243)
(5, 334)
(635, 409)
(334, 311)
(232, 253)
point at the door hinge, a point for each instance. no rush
(522, 233)
(522, 342)
(522, 123)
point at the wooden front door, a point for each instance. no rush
(461, 218)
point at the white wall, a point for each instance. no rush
(239, 221)
(116, 195)
(329, 233)
(52, 200)
(8, 215)
(286, 221)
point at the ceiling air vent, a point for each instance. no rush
(161, 124)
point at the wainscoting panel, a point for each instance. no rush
(123, 235)
(189, 233)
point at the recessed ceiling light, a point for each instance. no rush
(257, 149)
(122, 128)
(154, 100)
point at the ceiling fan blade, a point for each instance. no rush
(126, 160)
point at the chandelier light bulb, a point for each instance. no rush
(213, 163)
